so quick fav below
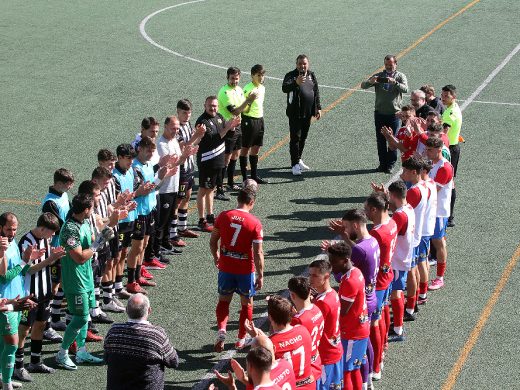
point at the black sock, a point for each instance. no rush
(231, 172)
(253, 161)
(210, 218)
(138, 272)
(222, 174)
(36, 351)
(243, 167)
(131, 275)
(20, 352)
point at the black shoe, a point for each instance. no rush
(409, 317)
(388, 170)
(394, 337)
(92, 328)
(380, 168)
(221, 195)
(416, 309)
(259, 180)
(451, 223)
(102, 319)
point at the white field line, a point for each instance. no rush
(142, 30)
(472, 97)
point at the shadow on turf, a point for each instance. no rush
(285, 173)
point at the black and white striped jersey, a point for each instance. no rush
(39, 283)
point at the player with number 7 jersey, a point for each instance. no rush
(238, 256)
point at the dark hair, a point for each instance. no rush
(106, 155)
(125, 150)
(355, 215)
(398, 188)
(232, 70)
(427, 165)
(146, 142)
(300, 286)
(148, 122)
(451, 89)
(434, 142)
(435, 127)
(322, 265)
(48, 221)
(210, 97)
(81, 202)
(257, 69)
(260, 358)
(7, 216)
(391, 57)
(169, 119)
(302, 57)
(434, 113)
(340, 249)
(184, 104)
(245, 197)
(87, 187)
(427, 88)
(408, 107)
(413, 164)
(101, 173)
(379, 200)
(280, 309)
(63, 175)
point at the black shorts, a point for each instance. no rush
(186, 183)
(252, 131)
(56, 272)
(144, 225)
(234, 142)
(208, 177)
(125, 234)
(103, 255)
(42, 312)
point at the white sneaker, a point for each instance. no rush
(52, 335)
(118, 302)
(219, 343)
(302, 165)
(296, 170)
(113, 307)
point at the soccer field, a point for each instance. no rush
(80, 76)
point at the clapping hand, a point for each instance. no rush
(56, 253)
(32, 253)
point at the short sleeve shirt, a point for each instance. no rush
(76, 278)
(256, 109)
(453, 116)
(229, 96)
(211, 146)
(354, 325)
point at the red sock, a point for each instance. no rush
(410, 302)
(347, 380)
(375, 340)
(386, 315)
(222, 314)
(246, 313)
(398, 309)
(423, 288)
(441, 268)
(382, 330)
(357, 382)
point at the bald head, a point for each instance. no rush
(138, 307)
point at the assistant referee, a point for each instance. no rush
(253, 124)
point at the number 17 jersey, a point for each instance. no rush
(239, 230)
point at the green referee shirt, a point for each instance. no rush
(452, 115)
(229, 96)
(76, 278)
(256, 108)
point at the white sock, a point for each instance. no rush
(83, 349)
(398, 330)
(409, 311)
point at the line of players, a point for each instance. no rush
(340, 340)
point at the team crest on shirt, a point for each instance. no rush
(219, 120)
(71, 241)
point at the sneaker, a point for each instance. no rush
(73, 348)
(409, 317)
(92, 327)
(40, 368)
(65, 362)
(296, 170)
(205, 226)
(145, 274)
(303, 166)
(235, 187)
(436, 284)
(51, 335)
(187, 233)
(451, 223)
(14, 385)
(422, 301)
(102, 318)
(85, 357)
(118, 302)
(259, 180)
(376, 376)
(432, 262)
(145, 282)
(135, 288)
(123, 294)
(416, 308)
(221, 195)
(113, 307)
(164, 260)
(93, 338)
(243, 343)
(154, 264)
(60, 325)
(219, 343)
(177, 242)
(22, 374)
(394, 337)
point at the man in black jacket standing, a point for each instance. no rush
(303, 103)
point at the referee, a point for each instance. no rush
(253, 124)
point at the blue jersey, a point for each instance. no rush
(125, 182)
(63, 206)
(15, 287)
(145, 203)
